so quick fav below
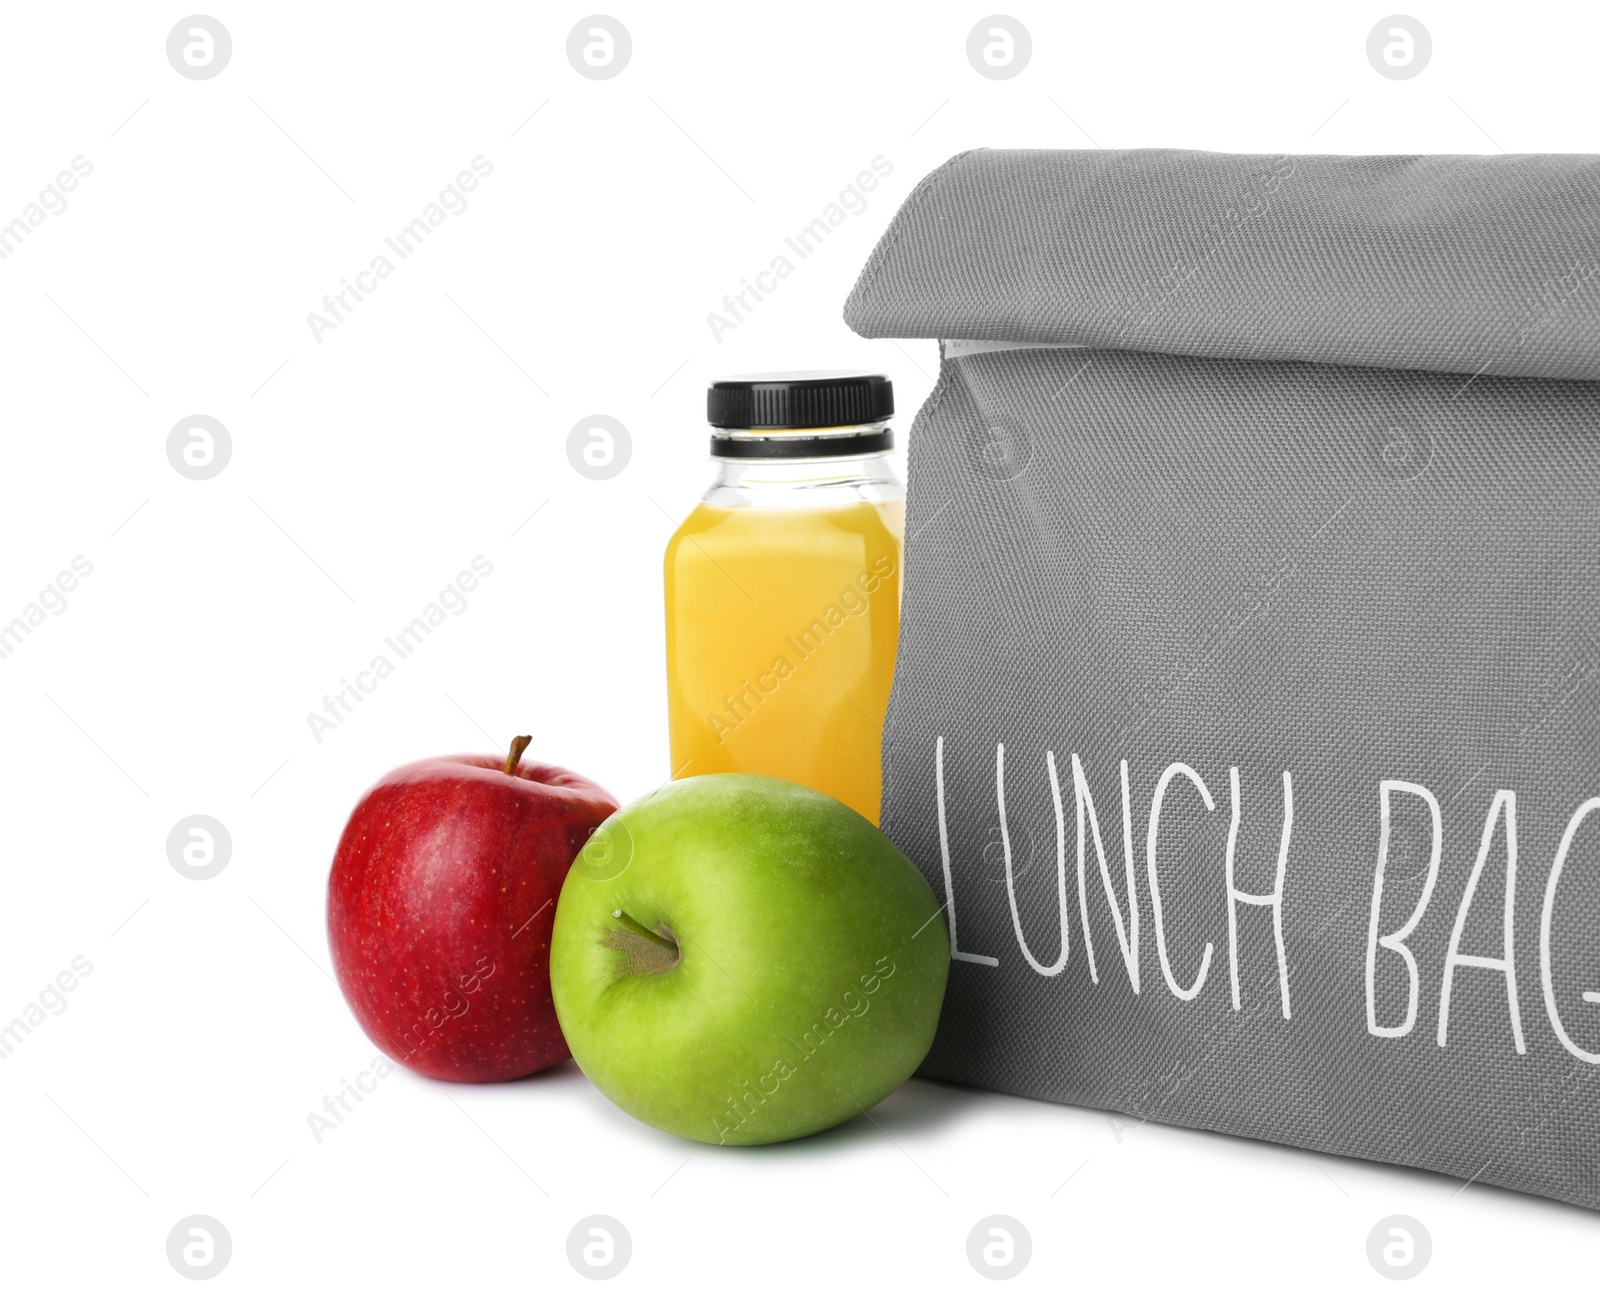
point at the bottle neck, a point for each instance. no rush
(804, 483)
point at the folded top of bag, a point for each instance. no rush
(1457, 264)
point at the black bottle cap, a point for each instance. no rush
(821, 398)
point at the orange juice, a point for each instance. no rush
(781, 643)
(783, 591)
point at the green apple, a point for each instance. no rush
(740, 959)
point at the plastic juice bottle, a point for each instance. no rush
(783, 587)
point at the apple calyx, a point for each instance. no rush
(642, 950)
(519, 744)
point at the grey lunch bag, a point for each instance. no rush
(1247, 710)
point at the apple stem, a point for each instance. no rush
(519, 744)
(639, 929)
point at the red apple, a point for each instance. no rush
(440, 904)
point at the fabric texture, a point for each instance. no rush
(1247, 708)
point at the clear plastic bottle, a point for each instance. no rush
(783, 587)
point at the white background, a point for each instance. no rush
(369, 467)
